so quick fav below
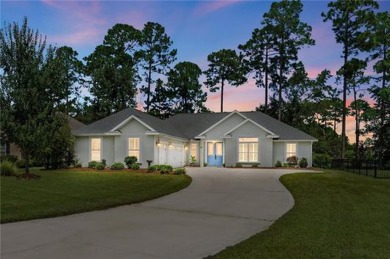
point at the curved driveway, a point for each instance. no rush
(220, 208)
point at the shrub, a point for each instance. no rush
(20, 163)
(292, 160)
(255, 165)
(192, 161)
(321, 160)
(278, 164)
(77, 165)
(7, 168)
(92, 164)
(238, 165)
(152, 168)
(100, 166)
(135, 166)
(286, 165)
(104, 162)
(303, 162)
(179, 171)
(129, 160)
(163, 169)
(117, 166)
(10, 158)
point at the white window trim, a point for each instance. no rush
(285, 149)
(139, 150)
(238, 149)
(90, 148)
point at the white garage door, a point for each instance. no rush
(172, 155)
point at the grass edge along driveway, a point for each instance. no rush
(63, 192)
(336, 215)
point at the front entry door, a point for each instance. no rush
(214, 153)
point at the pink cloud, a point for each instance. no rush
(80, 22)
(213, 6)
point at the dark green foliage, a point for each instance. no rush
(292, 160)
(179, 171)
(182, 94)
(238, 165)
(104, 162)
(20, 163)
(322, 160)
(286, 35)
(130, 160)
(135, 166)
(56, 151)
(303, 162)
(225, 66)
(162, 169)
(10, 158)
(100, 166)
(350, 21)
(156, 55)
(117, 166)
(31, 93)
(113, 71)
(7, 168)
(278, 164)
(92, 164)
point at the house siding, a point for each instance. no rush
(82, 150)
(133, 129)
(304, 149)
(249, 130)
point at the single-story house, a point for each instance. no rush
(215, 139)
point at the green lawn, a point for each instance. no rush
(336, 215)
(64, 192)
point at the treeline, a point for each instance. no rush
(38, 80)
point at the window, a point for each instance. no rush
(291, 149)
(134, 147)
(248, 150)
(95, 149)
(194, 150)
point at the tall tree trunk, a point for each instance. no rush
(149, 83)
(382, 111)
(222, 86)
(357, 125)
(343, 126)
(266, 80)
(280, 89)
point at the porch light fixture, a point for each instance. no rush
(158, 143)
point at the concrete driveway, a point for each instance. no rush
(220, 208)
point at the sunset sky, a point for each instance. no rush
(196, 28)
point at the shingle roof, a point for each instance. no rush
(106, 124)
(188, 126)
(191, 125)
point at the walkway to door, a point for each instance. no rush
(220, 208)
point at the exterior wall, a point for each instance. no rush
(133, 129)
(249, 130)
(108, 149)
(82, 150)
(217, 132)
(304, 149)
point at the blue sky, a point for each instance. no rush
(196, 28)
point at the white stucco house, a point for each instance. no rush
(215, 139)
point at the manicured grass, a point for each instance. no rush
(65, 192)
(336, 215)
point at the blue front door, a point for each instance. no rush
(214, 153)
